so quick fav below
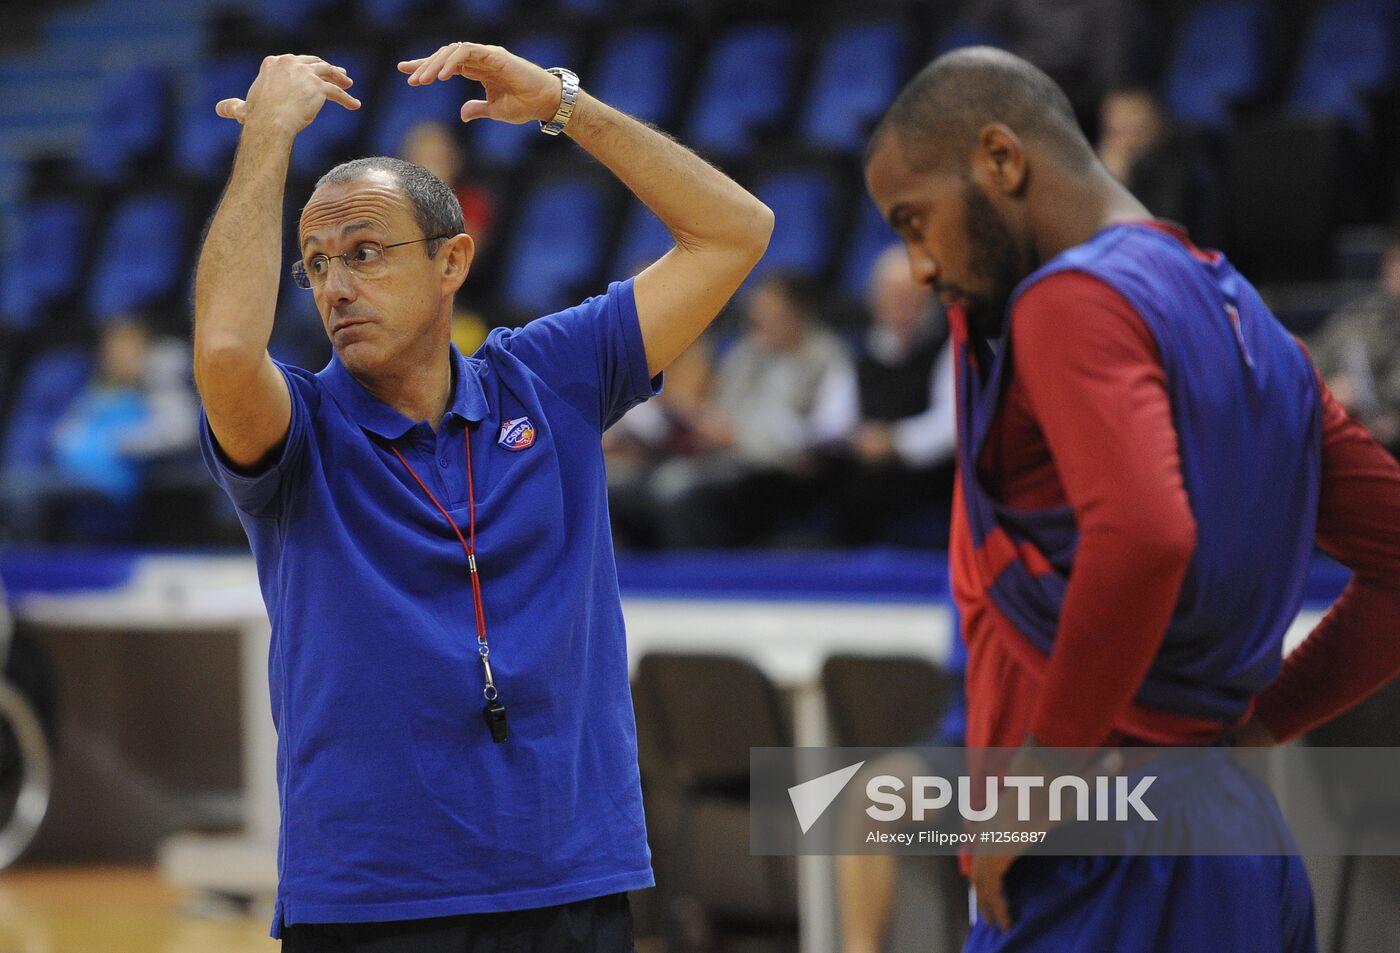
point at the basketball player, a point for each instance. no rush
(1128, 409)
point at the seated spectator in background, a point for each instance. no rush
(435, 146)
(651, 433)
(899, 407)
(1358, 351)
(1157, 163)
(138, 407)
(755, 470)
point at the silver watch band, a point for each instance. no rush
(568, 97)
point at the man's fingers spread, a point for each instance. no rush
(454, 60)
(474, 56)
(428, 66)
(334, 74)
(478, 52)
(341, 96)
(433, 69)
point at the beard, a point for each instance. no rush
(995, 258)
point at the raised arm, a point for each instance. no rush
(720, 230)
(235, 294)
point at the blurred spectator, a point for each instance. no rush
(759, 430)
(648, 435)
(1130, 124)
(899, 406)
(434, 146)
(1358, 351)
(1160, 165)
(137, 408)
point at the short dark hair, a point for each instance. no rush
(939, 113)
(435, 206)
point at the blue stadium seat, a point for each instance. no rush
(804, 204)
(505, 143)
(1351, 49)
(404, 106)
(319, 144)
(871, 236)
(46, 390)
(141, 258)
(746, 84)
(859, 70)
(483, 11)
(204, 142)
(650, 52)
(129, 122)
(1220, 57)
(292, 16)
(644, 239)
(45, 261)
(389, 14)
(555, 246)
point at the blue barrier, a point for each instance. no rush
(867, 575)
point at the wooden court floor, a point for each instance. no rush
(117, 910)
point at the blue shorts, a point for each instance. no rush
(1148, 903)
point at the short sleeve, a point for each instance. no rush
(261, 494)
(592, 354)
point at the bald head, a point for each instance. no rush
(937, 117)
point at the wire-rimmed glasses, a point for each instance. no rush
(365, 260)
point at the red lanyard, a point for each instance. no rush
(469, 547)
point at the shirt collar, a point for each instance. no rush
(468, 402)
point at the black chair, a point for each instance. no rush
(892, 701)
(884, 701)
(697, 716)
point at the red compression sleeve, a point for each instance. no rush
(1095, 384)
(1355, 649)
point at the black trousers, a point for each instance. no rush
(598, 925)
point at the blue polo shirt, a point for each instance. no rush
(395, 802)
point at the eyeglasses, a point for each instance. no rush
(365, 260)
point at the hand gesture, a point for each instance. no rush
(289, 91)
(516, 89)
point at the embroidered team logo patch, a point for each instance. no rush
(517, 434)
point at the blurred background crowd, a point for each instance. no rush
(818, 411)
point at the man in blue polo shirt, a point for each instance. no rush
(456, 745)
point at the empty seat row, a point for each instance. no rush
(1222, 57)
(139, 258)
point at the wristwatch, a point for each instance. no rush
(567, 98)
